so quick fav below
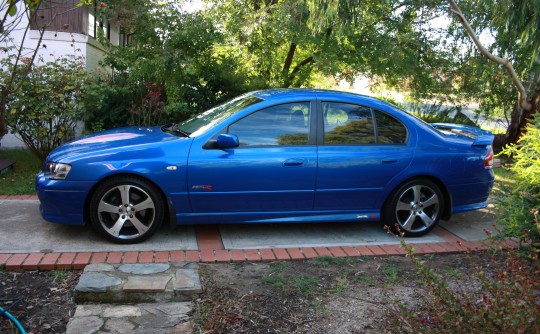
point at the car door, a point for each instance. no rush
(273, 168)
(360, 150)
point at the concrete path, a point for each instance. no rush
(29, 242)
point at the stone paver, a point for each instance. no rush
(132, 283)
(172, 317)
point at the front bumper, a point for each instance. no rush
(62, 201)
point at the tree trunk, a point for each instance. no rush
(3, 123)
(519, 120)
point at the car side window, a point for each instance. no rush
(347, 124)
(389, 129)
(284, 124)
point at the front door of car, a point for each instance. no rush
(273, 168)
(360, 151)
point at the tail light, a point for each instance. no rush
(488, 159)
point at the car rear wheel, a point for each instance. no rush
(414, 208)
(126, 209)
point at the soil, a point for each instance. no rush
(41, 301)
(323, 295)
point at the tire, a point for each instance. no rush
(126, 209)
(414, 208)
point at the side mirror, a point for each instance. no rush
(227, 141)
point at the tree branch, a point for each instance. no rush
(523, 99)
(288, 60)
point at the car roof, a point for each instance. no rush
(284, 93)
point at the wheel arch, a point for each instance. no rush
(168, 205)
(447, 209)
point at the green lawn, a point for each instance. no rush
(19, 181)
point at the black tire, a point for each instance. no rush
(126, 209)
(414, 208)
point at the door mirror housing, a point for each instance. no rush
(227, 141)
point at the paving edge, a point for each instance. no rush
(19, 197)
(78, 261)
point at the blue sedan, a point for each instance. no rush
(271, 156)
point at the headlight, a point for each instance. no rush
(56, 171)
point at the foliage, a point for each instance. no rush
(172, 52)
(106, 103)
(517, 202)
(290, 43)
(19, 181)
(45, 109)
(506, 302)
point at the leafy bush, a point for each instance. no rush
(45, 109)
(106, 103)
(507, 300)
(516, 204)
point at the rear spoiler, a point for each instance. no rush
(481, 137)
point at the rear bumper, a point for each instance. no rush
(471, 196)
(62, 201)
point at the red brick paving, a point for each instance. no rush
(337, 251)
(364, 251)
(309, 252)
(253, 255)
(98, 257)
(32, 261)
(65, 260)
(49, 261)
(178, 256)
(3, 259)
(15, 262)
(237, 255)
(207, 255)
(114, 257)
(162, 257)
(81, 260)
(267, 254)
(351, 251)
(281, 254)
(222, 255)
(192, 256)
(208, 237)
(146, 257)
(131, 257)
(295, 253)
(322, 251)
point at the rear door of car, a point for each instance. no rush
(273, 169)
(360, 150)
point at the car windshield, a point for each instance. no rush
(210, 118)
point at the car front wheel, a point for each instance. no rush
(414, 208)
(126, 209)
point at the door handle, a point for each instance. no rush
(389, 161)
(293, 163)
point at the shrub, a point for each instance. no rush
(507, 300)
(45, 109)
(516, 205)
(106, 103)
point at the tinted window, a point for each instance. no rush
(210, 118)
(286, 124)
(389, 129)
(346, 124)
